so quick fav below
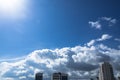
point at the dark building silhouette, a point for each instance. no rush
(106, 72)
(59, 76)
(97, 78)
(118, 78)
(39, 76)
(91, 78)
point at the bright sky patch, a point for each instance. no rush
(12, 8)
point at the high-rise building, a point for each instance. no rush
(59, 76)
(106, 72)
(39, 76)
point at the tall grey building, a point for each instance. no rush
(106, 72)
(59, 76)
(39, 76)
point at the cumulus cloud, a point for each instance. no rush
(91, 43)
(111, 21)
(117, 39)
(95, 24)
(78, 61)
(104, 37)
(98, 24)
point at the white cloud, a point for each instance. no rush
(14, 59)
(104, 37)
(98, 24)
(117, 39)
(119, 46)
(77, 61)
(22, 77)
(7, 79)
(110, 20)
(91, 42)
(95, 24)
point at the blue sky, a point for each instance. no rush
(55, 24)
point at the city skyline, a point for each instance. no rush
(105, 72)
(70, 36)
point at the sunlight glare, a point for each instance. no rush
(12, 8)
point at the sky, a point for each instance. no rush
(43, 35)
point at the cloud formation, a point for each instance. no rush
(117, 39)
(104, 37)
(111, 21)
(98, 24)
(78, 61)
(95, 24)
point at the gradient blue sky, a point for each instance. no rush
(56, 24)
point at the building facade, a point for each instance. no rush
(39, 76)
(59, 76)
(106, 72)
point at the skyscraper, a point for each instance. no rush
(106, 72)
(39, 76)
(60, 76)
